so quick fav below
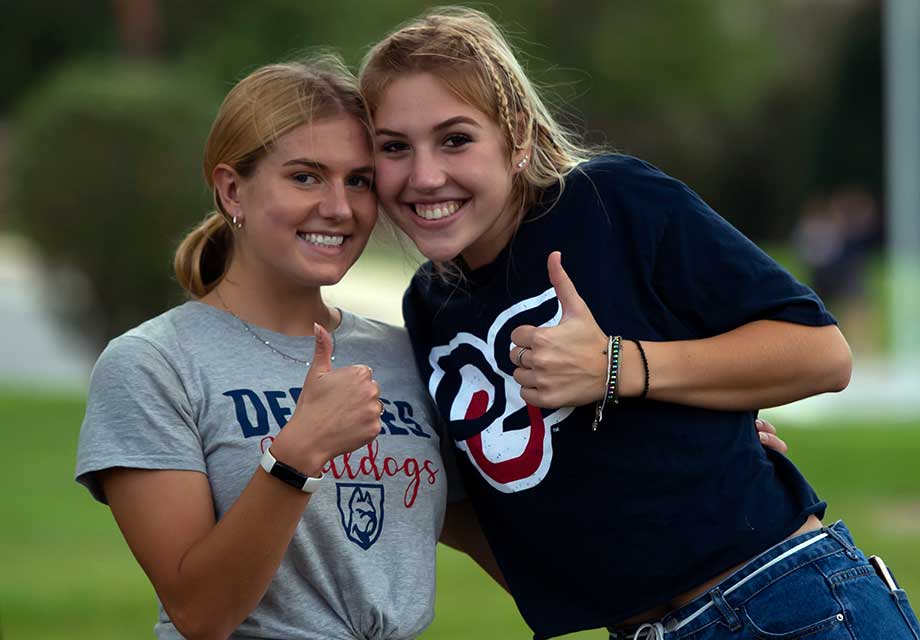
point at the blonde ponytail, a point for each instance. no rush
(202, 257)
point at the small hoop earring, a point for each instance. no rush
(238, 225)
(523, 162)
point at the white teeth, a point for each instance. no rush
(438, 210)
(326, 241)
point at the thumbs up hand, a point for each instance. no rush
(322, 354)
(338, 411)
(564, 365)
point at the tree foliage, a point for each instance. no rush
(106, 177)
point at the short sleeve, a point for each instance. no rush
(709, 274)
(138, 415)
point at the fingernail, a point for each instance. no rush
(758, 422)
(763, 436)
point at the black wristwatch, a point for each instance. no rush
(292, 476)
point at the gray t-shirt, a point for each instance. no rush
(192, 390)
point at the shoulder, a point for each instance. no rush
(376, 329)
(378, 336)
(632, 189)
(370, 340)
(616, 165)
(625, 177)
(154, 344)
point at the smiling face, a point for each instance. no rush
(443, 171)
(308, 208)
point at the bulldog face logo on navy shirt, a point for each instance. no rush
(508, 441)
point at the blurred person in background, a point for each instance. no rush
(835, 238)
(662, 518)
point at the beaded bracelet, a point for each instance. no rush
(613, 378)
(644, 364)
(599, 411)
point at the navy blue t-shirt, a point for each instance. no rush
(590, 527)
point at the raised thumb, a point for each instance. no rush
(322, 352)
(565, 289)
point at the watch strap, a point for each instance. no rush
(290, 475)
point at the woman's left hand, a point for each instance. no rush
(768, 438)
(565, 365)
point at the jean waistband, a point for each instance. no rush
(720, 601)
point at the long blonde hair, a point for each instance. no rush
(466, 50)
(261, 108)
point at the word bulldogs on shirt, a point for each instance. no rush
(252, 414)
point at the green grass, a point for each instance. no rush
(66, 573)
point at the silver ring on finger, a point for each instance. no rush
(519, 357)
(382, 408)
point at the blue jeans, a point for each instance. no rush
(825, 589)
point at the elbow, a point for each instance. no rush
(840, 379)
(197, 625)
(839, 365)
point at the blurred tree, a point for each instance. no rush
(35, 36)
(106, 177)
(675, 80)
(140, 27)
(236, 38)
(848, 141)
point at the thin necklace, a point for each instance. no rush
(257, 337)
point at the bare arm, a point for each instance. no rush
(760, 364)
(211, 574)
(462, 532)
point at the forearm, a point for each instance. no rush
(223, 576)
(761, 364)
(208, 575)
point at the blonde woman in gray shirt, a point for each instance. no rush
(323, 529)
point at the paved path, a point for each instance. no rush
(34, 351)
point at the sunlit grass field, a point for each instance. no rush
(66, 573)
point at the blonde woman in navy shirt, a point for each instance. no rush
(598, 341)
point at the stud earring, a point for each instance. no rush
(238, 225)
(523, 162)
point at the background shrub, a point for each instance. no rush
(106, 177)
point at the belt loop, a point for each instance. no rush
(843, 542)
(734, 622)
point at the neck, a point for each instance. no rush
(493, 241)
(282, 307)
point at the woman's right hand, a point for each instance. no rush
(338, 411)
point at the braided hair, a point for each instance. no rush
(467, 51)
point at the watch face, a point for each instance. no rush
(289, 474)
